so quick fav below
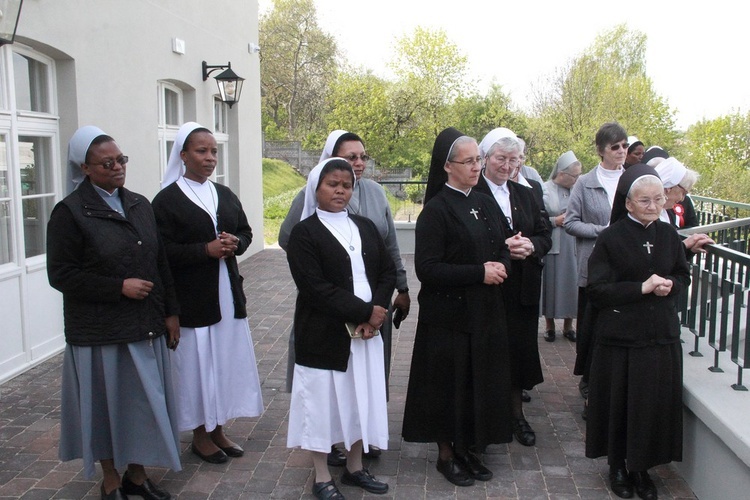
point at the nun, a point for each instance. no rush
(459, 384)
(637, 271)
(345, 278)
(368, 200)
(204, 229)
(105, 256)
(559, 283)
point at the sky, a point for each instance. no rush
(696, 55)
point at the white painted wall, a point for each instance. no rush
(109, 56)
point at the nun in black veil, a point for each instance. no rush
(459, 385)
(636, 272)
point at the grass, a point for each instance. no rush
(281, 183)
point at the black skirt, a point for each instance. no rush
(635, 405)
(459, 388)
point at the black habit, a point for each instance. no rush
(635, 386)
(459, 385)
(522, 289)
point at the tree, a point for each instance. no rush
(719, 150)
(297, 63)
(608, 82)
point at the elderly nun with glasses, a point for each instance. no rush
(637, 271)
(529, 240)
(105, 255)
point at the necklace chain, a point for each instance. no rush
(351, 232)
(213, 202)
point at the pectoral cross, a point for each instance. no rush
(475, 213)
(648, 246)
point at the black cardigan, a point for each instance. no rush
(186, 229)
(91, 250)
(322, 271)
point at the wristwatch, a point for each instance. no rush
(403, 290)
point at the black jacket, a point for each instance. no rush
(322, 271)
(186, 229)
(91, 250)
(525, 276)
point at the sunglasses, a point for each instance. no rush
(616, 147)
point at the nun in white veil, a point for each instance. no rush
(343, 275)
(204, 228)
(120, 309)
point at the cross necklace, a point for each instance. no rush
(351, 232)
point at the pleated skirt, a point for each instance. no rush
(214, 368)
(330, 406)
(117, 403)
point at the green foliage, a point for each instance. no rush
(281, 183)
(608, 82)
(296, 63)
(719, 150)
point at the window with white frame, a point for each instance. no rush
(29, 167)
(170, 119)
(221, 134)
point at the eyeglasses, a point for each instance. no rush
(469, 162)
(502, 160)
(616, 147)
(110, 164)
(352, 158)
(646, 202)
(576, 176)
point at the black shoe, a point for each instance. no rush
(364, 480)
(475, 467)
(525, 396)
(116, 494)
(218, 457)
(327, 491)
(549, 335)
(374, 452)
(147, 490)
(233, 451)
(336, 458)
(523, 432)
(455, 471)
(644, 486)
(620, 483)
(570, 335)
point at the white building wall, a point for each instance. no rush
(109, 56)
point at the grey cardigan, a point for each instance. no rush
(587, 215)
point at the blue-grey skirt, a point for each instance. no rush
(117, 403)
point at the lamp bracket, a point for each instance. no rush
(208, 69)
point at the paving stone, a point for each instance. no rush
(556, 468)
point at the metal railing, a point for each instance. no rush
(714, 307)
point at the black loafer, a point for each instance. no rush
(620, 483)
(327, 491)
(549, 335)
(147, 490)
(523, 432)
(525, 396)
(644, 486)
(116, 494)
(475, 467)
(570, 335)
(233, 451)
(374, 452)
(336, 457)
(455, 472)
(214, 458)
(364, 480)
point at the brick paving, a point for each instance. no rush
(555, 468)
